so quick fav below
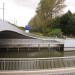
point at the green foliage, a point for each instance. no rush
(45, 12)
(48, 9)
(35, 24)
(73, 24)
(46, 22)
(55, 23)
(58, 26)
(66, 23)
(21, 28)
(55, 33)
(37, 33)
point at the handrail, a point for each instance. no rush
(67, 57)
(27, 64)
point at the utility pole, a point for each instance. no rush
(15, 21)
(3, 8)
(3, 11)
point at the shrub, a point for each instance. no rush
(55, 33)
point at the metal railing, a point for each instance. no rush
(27, 64)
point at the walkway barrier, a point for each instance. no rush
(29, 64)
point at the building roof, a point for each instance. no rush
(5, 26)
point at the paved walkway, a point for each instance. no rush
(63, 71)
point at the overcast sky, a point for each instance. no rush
(70, 5)
(21, 11)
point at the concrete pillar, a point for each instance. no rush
(18, 50)
(62, 47)
(49, 47)
(39, 47)
(49, 50)
(7, 49)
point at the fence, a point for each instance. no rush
(28, 64)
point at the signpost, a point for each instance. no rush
(27, 28)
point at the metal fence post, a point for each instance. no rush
(4, 64)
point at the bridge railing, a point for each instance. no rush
(28, 64)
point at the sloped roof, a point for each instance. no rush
(5, 26)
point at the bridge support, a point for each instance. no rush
(62, 47)
(39, 46)
(18, 50)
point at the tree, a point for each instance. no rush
(35, 24)
(54, 23)
(55, 32)
(48, 9)
(73, 24)
(66, 23)
(45, 12)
